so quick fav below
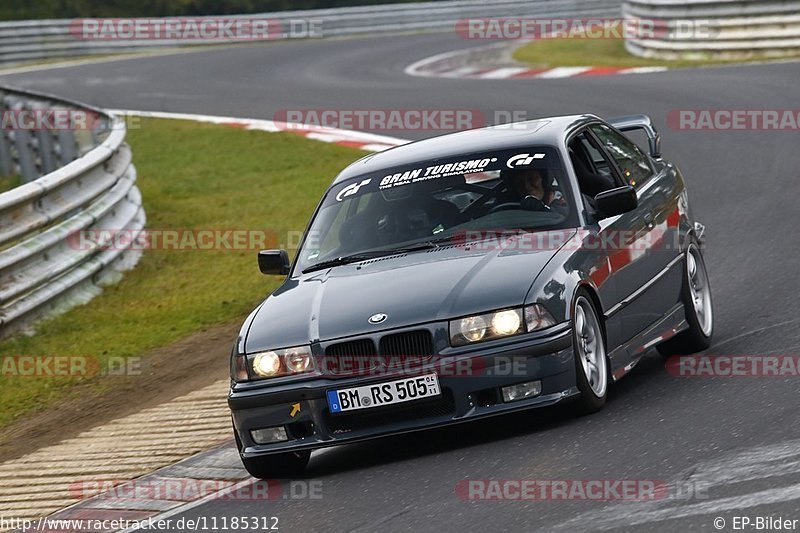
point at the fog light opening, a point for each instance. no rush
(521, 391)
(269, 435)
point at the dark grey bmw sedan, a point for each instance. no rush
(469, 275)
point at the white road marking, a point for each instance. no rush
(642, 70)
(503, 73)
(562, 72)
(731, 472)
(319, 133)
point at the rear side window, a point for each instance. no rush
(635, 167)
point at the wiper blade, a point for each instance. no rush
(355, 258)
(427, 245)
(336, 261)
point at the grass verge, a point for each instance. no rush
(582, 52)
(191, 176)
(9, 182)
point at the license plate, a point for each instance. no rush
(380, 394)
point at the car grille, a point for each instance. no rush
(411, 349)
(417, 343)
(352, 357)
(392, 414)
(362, 347)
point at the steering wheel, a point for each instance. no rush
(505, 207)
(529, 203)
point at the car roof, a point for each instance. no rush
(544, 131)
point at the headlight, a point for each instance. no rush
(285, 362)
(499, 324)
(299, 361)
(472, 328)
(267, 364)
(506, 322)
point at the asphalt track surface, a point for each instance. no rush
(739, 438)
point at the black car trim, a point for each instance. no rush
(648, 338)
(346, 438)
(638, 292)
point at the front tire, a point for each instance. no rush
(589, 346)
(696, 297)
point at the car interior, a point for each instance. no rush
(592, 169)
(427, 209)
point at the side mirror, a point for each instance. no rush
(274, 262)
(616, 201)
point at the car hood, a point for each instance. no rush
(410, 289)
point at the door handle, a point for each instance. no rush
(648, 219)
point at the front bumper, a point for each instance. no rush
(301, 407)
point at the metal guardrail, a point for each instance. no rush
(46, 39)
(75, 180)
(721, 29)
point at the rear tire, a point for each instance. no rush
(589, 347)
(697, 304)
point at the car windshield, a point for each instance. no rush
(430, 202)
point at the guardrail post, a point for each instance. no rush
(46, 150)
(7, 166)
(26, 155)
(67, 147)
(6, 161)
